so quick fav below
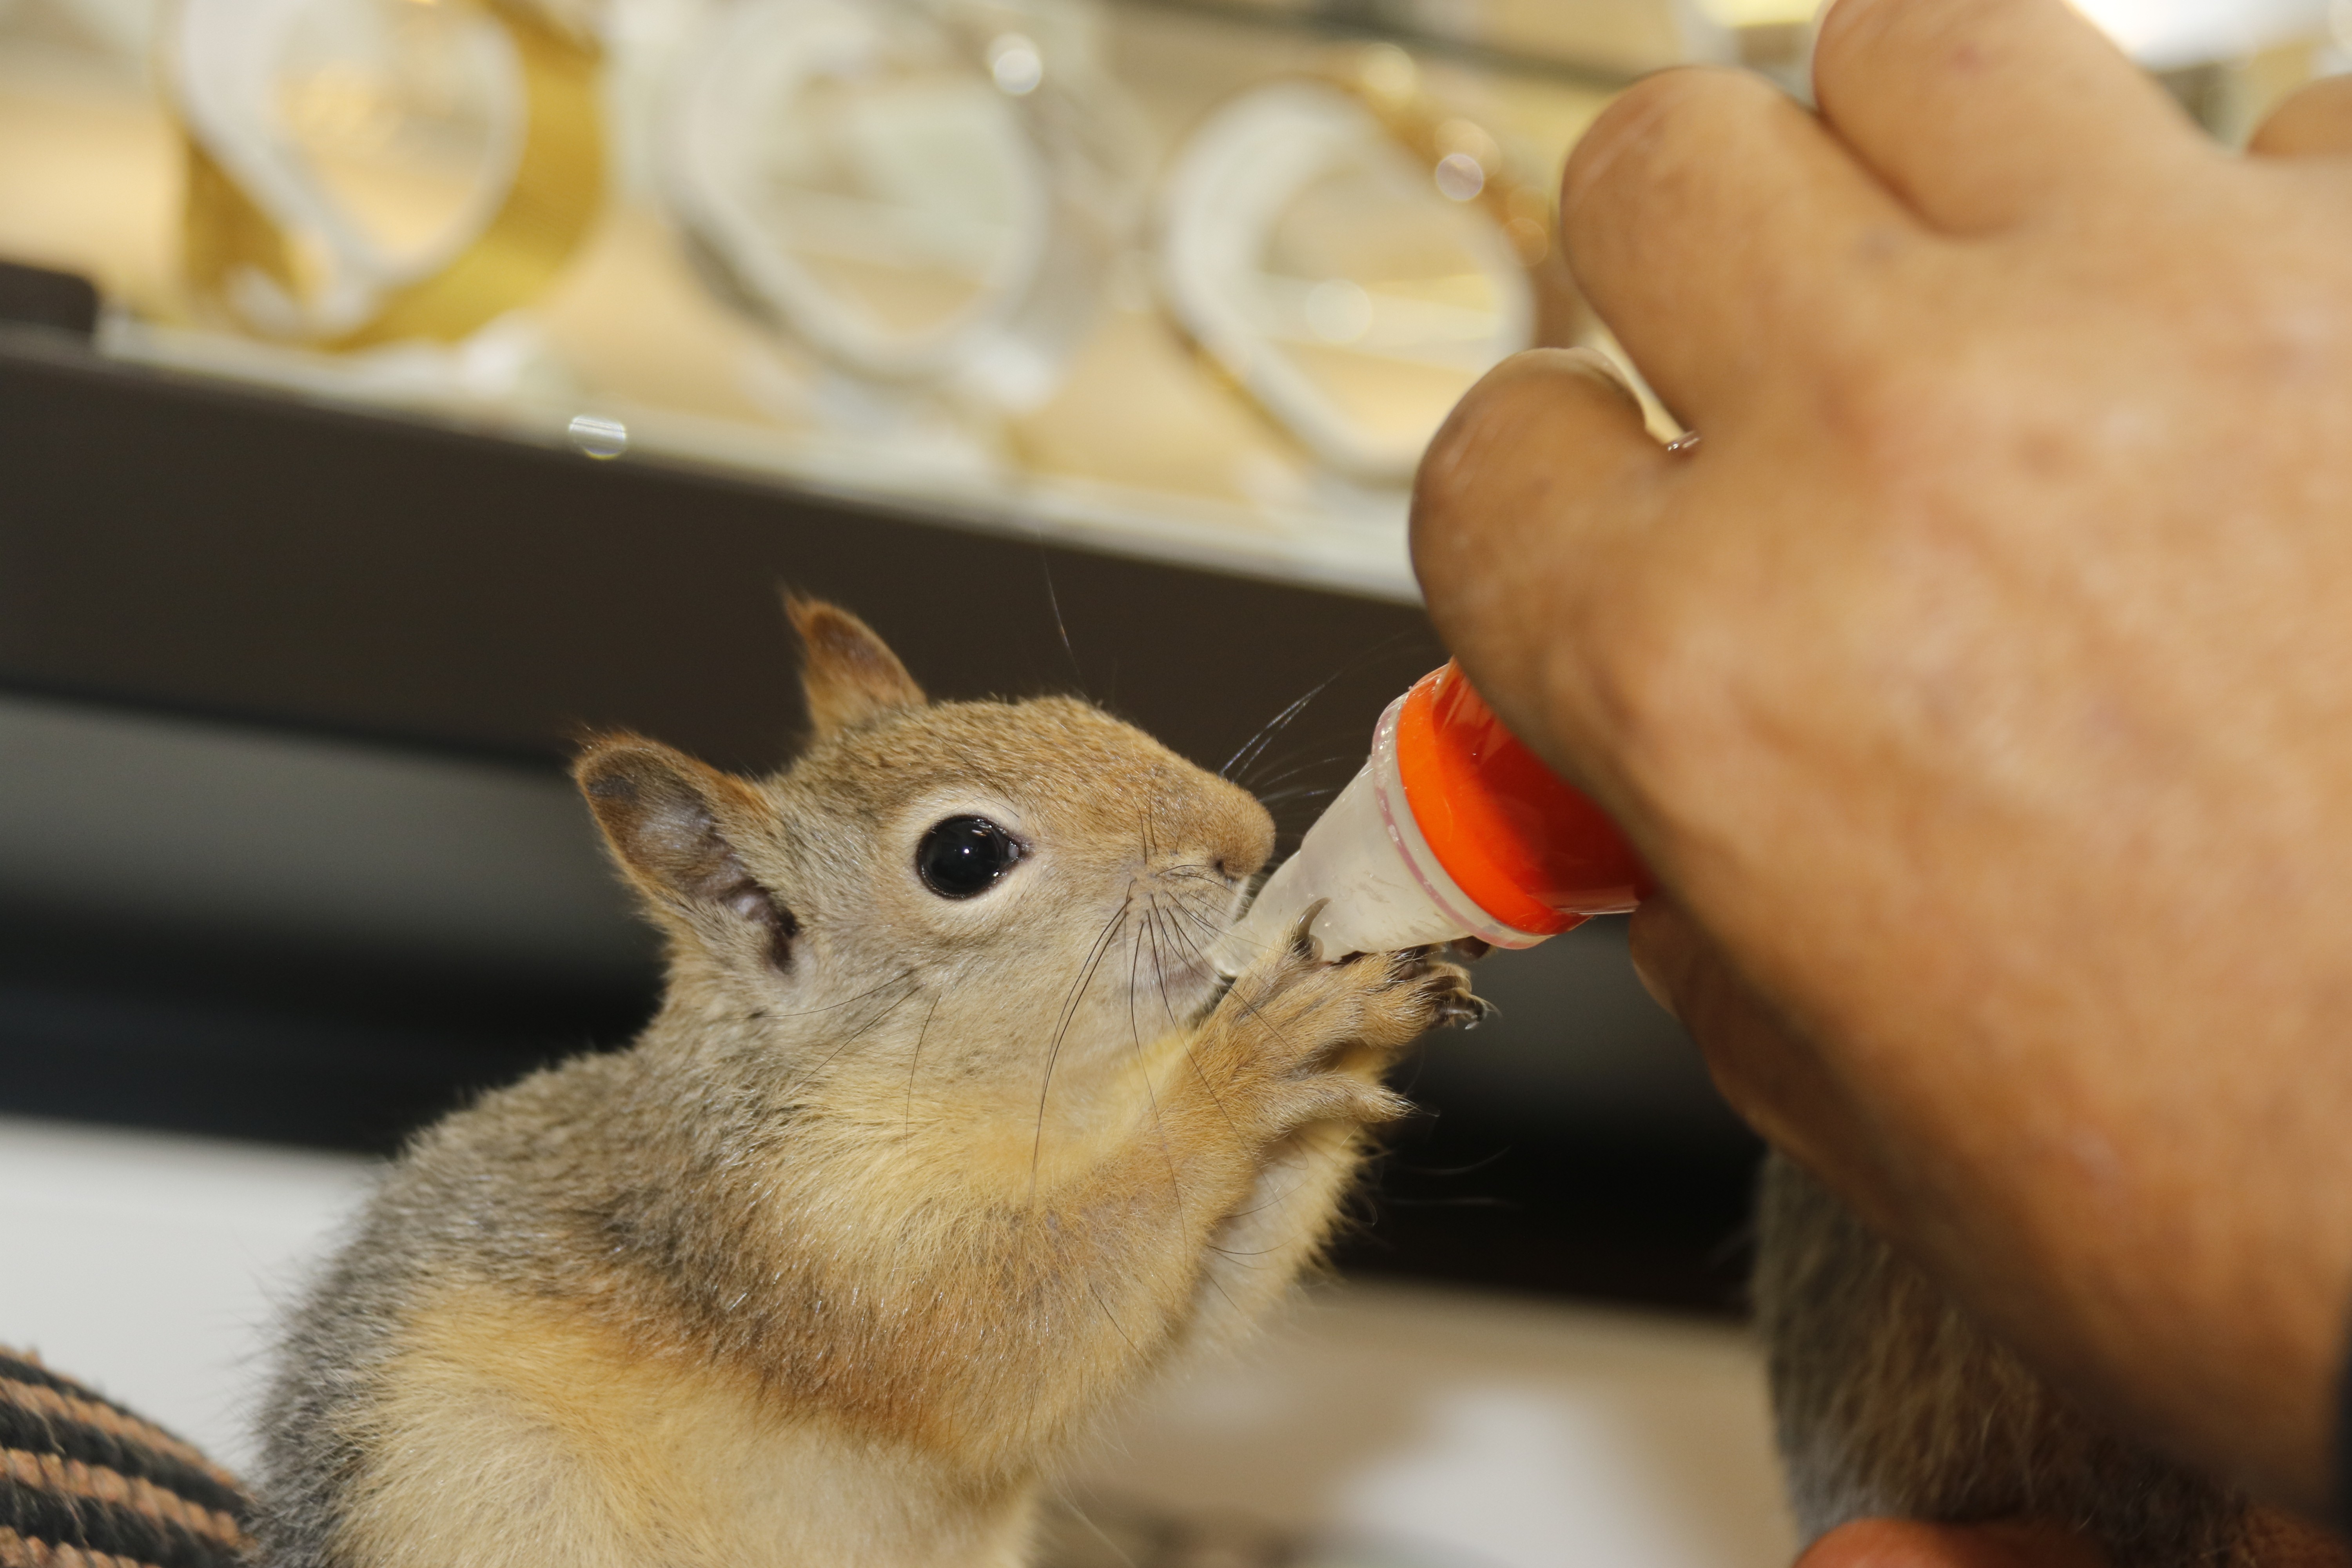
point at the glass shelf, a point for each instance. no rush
(1140, 450)
(1141, 445)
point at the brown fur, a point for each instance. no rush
(895, 1197)
(1891, 1402)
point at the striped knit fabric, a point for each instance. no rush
(86, 1484)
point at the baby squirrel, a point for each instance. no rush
(942, 1141)
(1891, 1402)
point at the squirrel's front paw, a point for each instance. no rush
(1317, 1032)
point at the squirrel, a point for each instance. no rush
(945, 1138)
(1890, 1401)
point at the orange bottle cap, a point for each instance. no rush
(1533, 852)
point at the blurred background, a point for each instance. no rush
(392, 391)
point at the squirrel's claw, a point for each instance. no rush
(1463, 1011)
(1303, 940)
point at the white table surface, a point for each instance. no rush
(1500, 1433)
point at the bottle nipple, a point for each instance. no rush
(1452, 829)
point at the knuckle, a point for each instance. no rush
(1901, 430)
(1653, 150)
(1884, 46)
(1843, 41)
(1871, 402)
(1632, 129)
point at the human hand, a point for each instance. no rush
(1910, 1543)
(2269, 1540)
(1980, 686)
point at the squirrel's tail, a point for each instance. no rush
(84, 1481)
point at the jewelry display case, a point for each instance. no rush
(1189, 282)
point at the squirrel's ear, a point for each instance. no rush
(850, 675)
(673, 824)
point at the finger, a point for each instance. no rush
(1764, 1067)
(1519, 497)
(1716, 226)
(2315, 122)
(1911, 1544)
(1982, 113)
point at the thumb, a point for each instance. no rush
(1534, 478)
(2315, 122)
(1762, 1063)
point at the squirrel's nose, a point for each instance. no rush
(1243, 842)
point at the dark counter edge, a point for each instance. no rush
(214, 548)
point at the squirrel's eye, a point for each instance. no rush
(962, 857)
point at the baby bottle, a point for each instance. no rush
(1452, 828)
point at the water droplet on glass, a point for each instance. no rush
(1389, 73)
(599, 437)
(1338, 311)
(1529, 239)
(1471, 140)
(1015, 64)
(1460, 176)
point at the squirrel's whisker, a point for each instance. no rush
(907, 1125)
(1274, 725)
(1055, 599)
(1151, 1095)
(1053, 1052)
(1305, 765)
(913, 985)
(1267, 732)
